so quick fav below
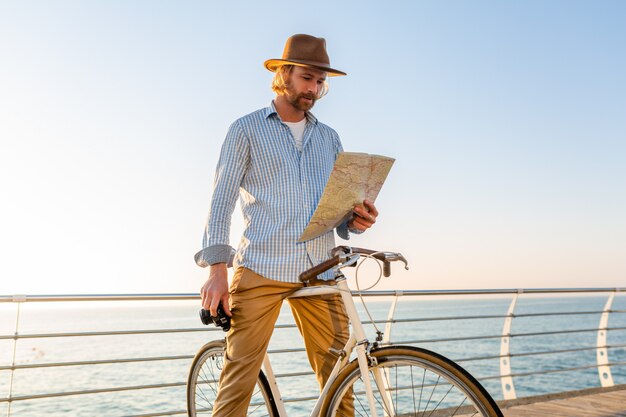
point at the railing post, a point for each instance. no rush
(508, 389)
(602, 354)
(19, 299)
(392, 310)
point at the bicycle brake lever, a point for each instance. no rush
(350, 260)
(341, 250)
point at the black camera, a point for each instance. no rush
(221, 320)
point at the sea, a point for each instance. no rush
(445, 325)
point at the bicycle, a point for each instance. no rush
(389, 381)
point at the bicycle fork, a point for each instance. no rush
(365, 359)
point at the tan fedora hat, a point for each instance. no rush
(305, 51)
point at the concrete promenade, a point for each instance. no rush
(596, 402)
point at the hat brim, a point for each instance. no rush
(273, 64)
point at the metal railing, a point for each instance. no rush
(505, 376)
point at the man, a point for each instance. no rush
(277, 161)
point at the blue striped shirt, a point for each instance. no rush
(278, 188)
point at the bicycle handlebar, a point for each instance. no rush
(341, 254)
(311, 273)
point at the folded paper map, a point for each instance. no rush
(354, 178)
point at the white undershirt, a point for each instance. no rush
(297, 131)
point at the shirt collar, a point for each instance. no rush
(272, 110)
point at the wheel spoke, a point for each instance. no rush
(440, 401)
(396, 386)
(442, 390)
(432, 393)
(413, 390)
(358, 398)
(203, 385)
(459, 407)
(421, 390)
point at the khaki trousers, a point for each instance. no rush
(255, 304)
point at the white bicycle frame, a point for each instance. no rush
(356, 340)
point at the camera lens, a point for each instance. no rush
(205, 317)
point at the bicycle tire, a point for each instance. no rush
(418, 383)
(203, 380)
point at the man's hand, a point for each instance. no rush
(215, 289)
(365, 216)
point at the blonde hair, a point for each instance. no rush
(279, 82)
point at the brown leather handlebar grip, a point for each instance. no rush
(309, 274)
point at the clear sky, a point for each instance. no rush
(507, 121)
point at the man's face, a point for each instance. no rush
(304, 86)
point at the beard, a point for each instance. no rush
(299, 100)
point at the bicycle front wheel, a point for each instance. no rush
(409, 381)
(203, 380)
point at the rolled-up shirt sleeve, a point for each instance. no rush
(344, 232)
(231, 168)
